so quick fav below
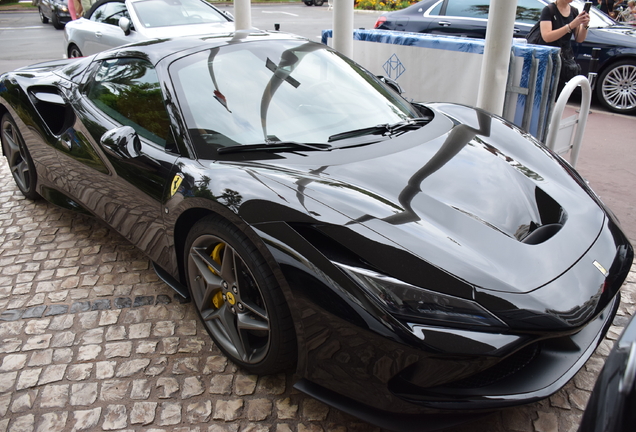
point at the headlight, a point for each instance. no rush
(63, 8)
(411, 302)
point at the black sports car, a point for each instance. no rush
(55, 11)
(412, 258)
(616, 88)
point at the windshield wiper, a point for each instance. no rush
(276, 146)
(384, 129)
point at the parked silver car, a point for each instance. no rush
(111, 23)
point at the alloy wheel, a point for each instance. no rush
(229, 299)
(618, 87)
(18, 158)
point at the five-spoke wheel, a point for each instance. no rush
(238, 298)
(18, 157)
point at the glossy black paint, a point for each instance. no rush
(453, 207)
(612, 406)
(55, 11)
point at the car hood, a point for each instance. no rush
(616, 35)
(462, 193)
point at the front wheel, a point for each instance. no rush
(319, 2)
(616, 87)
(309, 3)
(74, 51)
(42, 17)
(18, 157)
(238, 298)
(55, 20)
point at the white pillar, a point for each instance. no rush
(343, 26)
(494, 69)
(242, 14)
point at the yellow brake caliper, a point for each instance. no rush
(217, 300)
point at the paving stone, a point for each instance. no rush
(86, 419)
(139, 331)
(131, 367)
(5, 399)
(34, 312)
(88, 352)
(186, 366)
(285, 409)
(164, 329)
(140, 389)
(547, 422)
(169, 345)
(11, 328)
(123, 302)
(24, 423)
(256, 427)
(228, 410)
(64, 339)
(93, 336)
(192, 386)
(146, 347)
(52, 422)
(199, 412)
(41, 358)
(314, 410)
(52, 374)
(168, 386)
(13, 362)
(80, 306)
(118, 349)
(23, 401)
(187, 328)
(54, 396)
(221, 384)
(115, 417)
(109, 318)
(115, 333)
(83, 394)
(214, 364)
(272, 384)
(88, 320)
(63, 322)
(62, 355)
(28, 378)
(114, 390)
(578, 399)
(245, 384)
(258, 409)
(192, 345)
(143, 413)
(10, 345)
(309, 427)
(105, 369)
(170, 414)
(79, 372)
(37, 342)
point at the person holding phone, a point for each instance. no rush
(559, 22)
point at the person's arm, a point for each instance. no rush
(577, 26)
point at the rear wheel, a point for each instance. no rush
(238, 298)
(74, 51)
(318, 2)
(616, 87)
(18, 157)
(42, 17)
(309, 3)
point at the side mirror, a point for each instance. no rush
(122, 142)
(392, 84)
(125, 25)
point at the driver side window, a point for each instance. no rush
(128, 91)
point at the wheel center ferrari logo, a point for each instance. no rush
(230, 298)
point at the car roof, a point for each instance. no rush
(155, 50)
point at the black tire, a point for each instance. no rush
(319, 2)
(616, 87)
(74, 51)
(55, 20)
(18, 157)
(44, 19)
(309, 3)
(237, 296)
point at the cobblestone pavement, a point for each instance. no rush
(91, 339)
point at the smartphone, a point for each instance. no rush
(587, 6)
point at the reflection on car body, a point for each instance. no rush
(408, 260)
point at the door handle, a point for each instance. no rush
(98, 34)
(444, 24)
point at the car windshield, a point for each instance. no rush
(279, 91)
(167, 13)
